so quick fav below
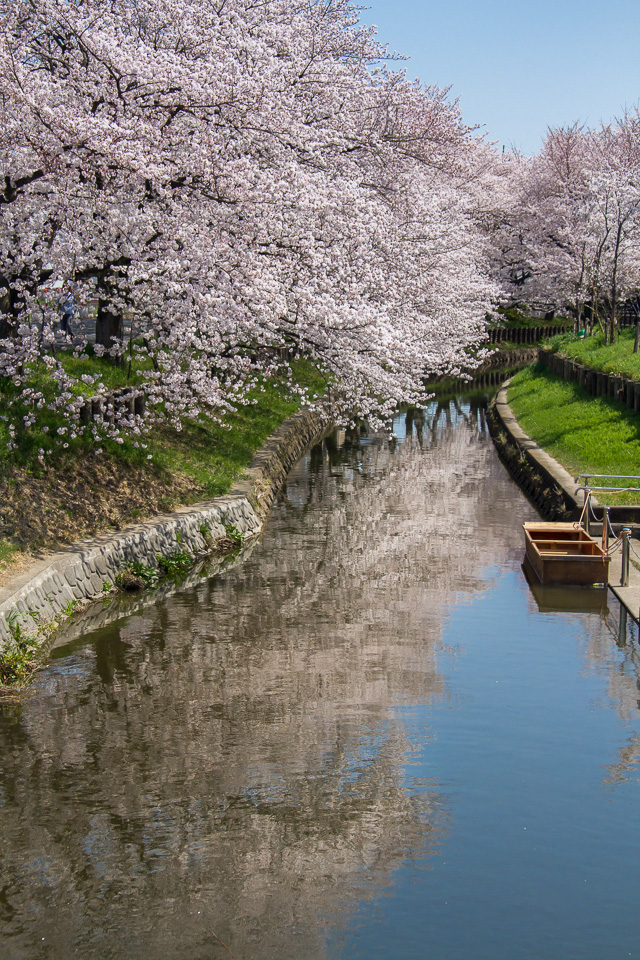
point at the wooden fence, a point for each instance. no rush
(105, 407)
(598, 384)
(525, 334)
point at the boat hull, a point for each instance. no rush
(563, 553)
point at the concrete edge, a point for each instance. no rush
(85, 571)
(550, 486)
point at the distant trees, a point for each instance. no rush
(577, 216)
(239, 180)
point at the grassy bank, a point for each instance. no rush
(585, 434)
(617, 358)
(77, 493)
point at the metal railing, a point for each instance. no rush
(624, 537)
(607, 476)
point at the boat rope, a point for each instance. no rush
(587, 504)
(633, 550)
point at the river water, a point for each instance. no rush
(368, 739)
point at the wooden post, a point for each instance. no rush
(616, 386)
(624, 576)
(605, 529)
(629, 393)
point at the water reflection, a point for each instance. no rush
(237, 761)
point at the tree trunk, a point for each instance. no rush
(9, 311)
(7, 329)
(614, 284)
(109, 327)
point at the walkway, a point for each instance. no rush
(628, 596)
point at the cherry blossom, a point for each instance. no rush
(242, 182)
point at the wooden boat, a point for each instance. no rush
(564, 598)
(565, 553)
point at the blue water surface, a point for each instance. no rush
(540, 857)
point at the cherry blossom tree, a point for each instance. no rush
(577, 218)
(244, 181)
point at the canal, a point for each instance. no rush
(368, 739)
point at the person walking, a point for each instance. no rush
(67, 307)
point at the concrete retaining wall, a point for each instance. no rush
(84, 571)
(546, 482)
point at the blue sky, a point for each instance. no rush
(519, 68)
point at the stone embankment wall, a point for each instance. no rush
(500, 365)
(85, 571)
(509, 358)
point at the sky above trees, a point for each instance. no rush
(519, 68)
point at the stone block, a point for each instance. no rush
(94, 585)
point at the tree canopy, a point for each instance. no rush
(243, 181)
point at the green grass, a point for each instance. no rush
(111, 376)
(19, 656)
(7, 552)
(617, 358)
(43, 434)
(214, 454)
(211, 452)
(585, 434)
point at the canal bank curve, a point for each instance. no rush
(554, 490)
(85, 571)
(547, 483)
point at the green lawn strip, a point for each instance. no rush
(585, 434)
(43, 434)
(215, 454)
(617, 358)
(200, 447)
(111, 376)
(209, 453)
